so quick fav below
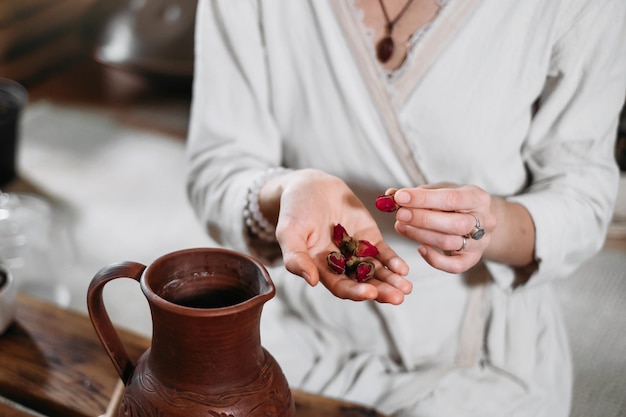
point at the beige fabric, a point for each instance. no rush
(595, 316)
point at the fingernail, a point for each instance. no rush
(398, 266)
(403, 215)
(422, 250)
(402, 197)
(307, 278)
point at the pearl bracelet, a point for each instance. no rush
(256, 222)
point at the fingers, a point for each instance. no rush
(454, 253)
(392, 288)
(300, 263)
(386, 286)
(461, 199)
(343, 287)
(450, 223)
(383, 288)
(454, 262)
(390, 259)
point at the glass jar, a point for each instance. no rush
(25, 246)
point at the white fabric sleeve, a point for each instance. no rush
(570, 147)
(232, 138)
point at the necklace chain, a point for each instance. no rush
(386, 47)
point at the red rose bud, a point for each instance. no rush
(340, 235)
(364, 271)
(386, 203)
(364, 248)
(336, 262)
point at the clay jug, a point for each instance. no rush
(206, 357)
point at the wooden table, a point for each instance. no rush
(52, 364)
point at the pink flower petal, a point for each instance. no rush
(364, 248)
(339, 235)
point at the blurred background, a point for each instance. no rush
(148, 36)
(98, 174)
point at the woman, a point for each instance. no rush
(493, 125)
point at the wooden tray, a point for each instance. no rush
(307, 405)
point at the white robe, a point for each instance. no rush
(518, 97)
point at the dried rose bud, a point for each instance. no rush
(349, 259)
(364, 271)
(351, 263)
(386, 203)
(340, 235)
(348, 247)
(364, 248)
(336, 262)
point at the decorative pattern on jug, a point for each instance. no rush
(269, 382)
(130, 407)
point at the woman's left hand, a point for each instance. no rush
(443, 218)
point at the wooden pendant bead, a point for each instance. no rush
(385, 49)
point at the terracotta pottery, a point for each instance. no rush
(206, 357)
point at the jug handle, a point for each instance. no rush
(100, 318)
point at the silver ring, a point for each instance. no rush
(464, 244)
(478, 231)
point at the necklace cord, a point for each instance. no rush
(386, 47)
(391, 23)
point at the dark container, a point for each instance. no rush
(13, 98)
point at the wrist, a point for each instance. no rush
(289, 180)
(261, 211)
(513, 238)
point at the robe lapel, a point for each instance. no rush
(427, 50)
(390, 95)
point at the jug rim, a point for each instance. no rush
(168, 305)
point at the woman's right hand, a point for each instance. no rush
(309, 203)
